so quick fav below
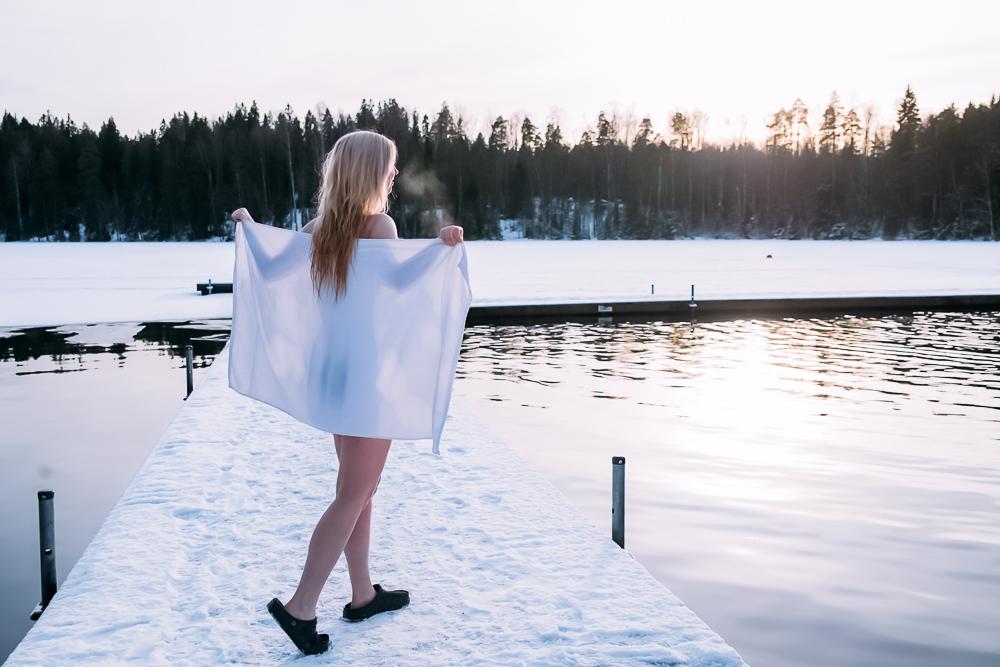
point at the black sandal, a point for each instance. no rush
(384, 600)
(302, 633)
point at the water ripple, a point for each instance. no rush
(834, 479)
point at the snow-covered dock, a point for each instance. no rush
(501, 569)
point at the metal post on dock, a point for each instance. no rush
(46, 549)
(189, 354)
(618, 500)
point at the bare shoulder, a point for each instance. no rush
(309, 227)
(381, 226)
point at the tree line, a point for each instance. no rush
(933, 176)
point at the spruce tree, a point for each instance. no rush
(904, 136)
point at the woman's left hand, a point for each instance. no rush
(451, 235)
(241, 214)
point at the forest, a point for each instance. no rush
(934, 176)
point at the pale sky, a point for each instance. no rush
(737, 62)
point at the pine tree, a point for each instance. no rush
(111, 149)
(607, 130)
(779, 136)
(443, 128)
(89, 187)
(830, 130)
(553, 136)
(680, 127)
(644, 136)
(852, 132)
(531, 141)
(799, 125)
(365, 118)
(498, 135)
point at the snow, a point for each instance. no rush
(501, 569)
(560, 271)
(102, 334)
(69, 283)
(511, 229)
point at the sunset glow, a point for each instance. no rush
(738, 63)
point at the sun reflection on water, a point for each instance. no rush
(839, 475)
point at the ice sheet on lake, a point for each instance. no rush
(102, 334)
(500, 568)
(57, 283)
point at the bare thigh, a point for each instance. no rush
(343, 441)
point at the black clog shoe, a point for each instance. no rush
(384, 600)
(301, 632)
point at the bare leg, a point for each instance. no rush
(361, 463)
(356, 551)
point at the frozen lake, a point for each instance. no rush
(59, 283)
(821, 491)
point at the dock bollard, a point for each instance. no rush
(46, 549)
(189, 353)
(618, 500)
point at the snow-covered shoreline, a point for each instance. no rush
(72, 283)
(502, 570)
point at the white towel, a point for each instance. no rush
(379, 362)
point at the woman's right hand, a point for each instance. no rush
(241, 214)
(451, 235)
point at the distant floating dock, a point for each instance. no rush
(713, 308)
(214, 288)
(734, 308)
(501, 568)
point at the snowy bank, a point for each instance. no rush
(68, 283)
(501, 569)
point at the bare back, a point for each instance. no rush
(368, 227)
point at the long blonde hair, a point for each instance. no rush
(353, 186)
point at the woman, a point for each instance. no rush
(352, 200)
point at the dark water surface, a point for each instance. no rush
(821, 491)
(80, 409)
